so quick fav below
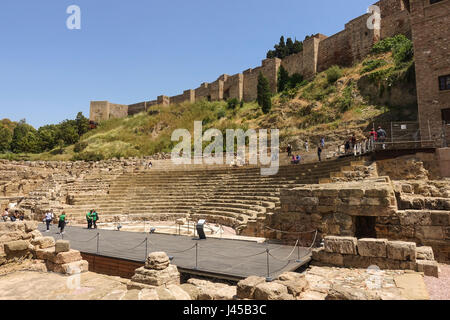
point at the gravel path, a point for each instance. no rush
(439, 288)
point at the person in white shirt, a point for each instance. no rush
(5, 215)
(48, 219)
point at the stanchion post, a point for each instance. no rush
(298, 251)
(268, 279)
(98, 241)
(196, 255)
(146, 248)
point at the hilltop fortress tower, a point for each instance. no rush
(424, 21)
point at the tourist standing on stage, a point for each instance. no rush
(94, 218)
(48, 219)
(89, 219)
(62, 222)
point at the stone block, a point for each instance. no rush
(327, 258)
(430, 233)
(30, 226)
(272, 291)
(440, 218)
(45, 254)
(66, 257)
(372, 247)
(424, 253)
(43, 242)
(157, 261)
(429, 268)
(246, 288)
(296, 283)
(152, 277)
(351, 192)
(342, 245)
(16, 246)
(401, 250)
(62, 246)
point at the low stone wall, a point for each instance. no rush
(350, 252)
(424, 227)
(330, 208)
(20, 241)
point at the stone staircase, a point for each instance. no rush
(224, 195)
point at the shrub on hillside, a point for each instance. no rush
(370, 65)
(233, 103)
(333, 74)
(80, 146)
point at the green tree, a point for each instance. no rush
(283, 79)
(5, 139)
(82, 124)
(68, 132)
(264, 95)
(25, 139)
(48, 137)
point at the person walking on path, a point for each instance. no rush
(373, 138)
(322, 142)
(94, 218)
(62, 222)
(48, 219)
(319, 153)
(306, 146)
(381, 134)
(89, 219)
(289, 150)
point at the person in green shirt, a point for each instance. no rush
(62, 222)
(94, 216)
(89, 219)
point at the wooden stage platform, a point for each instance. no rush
(119, 253)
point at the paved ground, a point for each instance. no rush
(439, 288)
(234, 258)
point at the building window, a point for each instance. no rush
(444, 82)
(434, 1)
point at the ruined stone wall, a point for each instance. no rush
(269, 69)
(432, 59)
(424, 227)
(104, 110)
(331, 208)
(293, 63)
(233, 87)
(137, 108)
(202, 92)
(395, 18)
(350, 252)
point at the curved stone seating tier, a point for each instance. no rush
(224, 195)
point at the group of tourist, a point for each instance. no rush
(48, 218)
(92, 218)
(12, 216)
(297, 159)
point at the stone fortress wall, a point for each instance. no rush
(319, 53)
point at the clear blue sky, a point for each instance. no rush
(134, 50)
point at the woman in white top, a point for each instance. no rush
(48, 219)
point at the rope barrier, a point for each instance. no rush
(129, 249)
(239, 257)
(175, 252)
(287, 258)
(290, 232)
(68, 238)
